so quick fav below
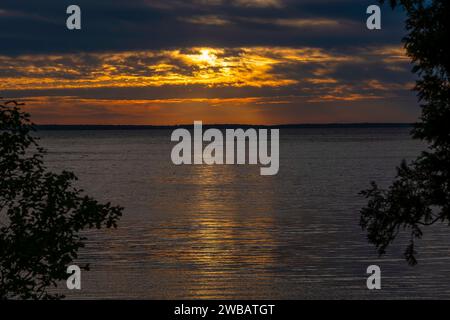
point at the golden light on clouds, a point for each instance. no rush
(252, 67)
(255, 85)
(212, 20)
(74, 110)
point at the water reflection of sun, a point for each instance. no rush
(227, 241)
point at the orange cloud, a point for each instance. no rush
(257, 85)
(253, 67)
(73, 110)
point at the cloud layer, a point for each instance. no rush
(241, 61)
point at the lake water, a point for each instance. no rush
(193, 232)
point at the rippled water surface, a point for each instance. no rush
(227, 232)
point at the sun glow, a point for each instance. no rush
(207, 57)
(305, 74)
(212, 67)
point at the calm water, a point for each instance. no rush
(227, 232)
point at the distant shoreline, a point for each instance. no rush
(223, 126)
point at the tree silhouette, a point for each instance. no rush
(41, 213)
(420, 194)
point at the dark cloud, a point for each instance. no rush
(130, 62)
(39, 26)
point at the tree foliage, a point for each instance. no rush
(420, 194)
(42, 214)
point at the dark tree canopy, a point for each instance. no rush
(41, 213)
(420, 194)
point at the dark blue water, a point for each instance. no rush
(228, 232)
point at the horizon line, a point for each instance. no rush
(292, 125)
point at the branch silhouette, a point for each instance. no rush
(42, 214)
(420, 195)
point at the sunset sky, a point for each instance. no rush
(219, 61)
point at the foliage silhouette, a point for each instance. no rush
(42, 214)
(420, 194)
